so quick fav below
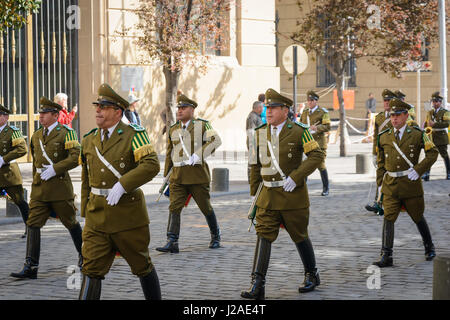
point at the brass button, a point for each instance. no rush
(104, 183)
(102, 170)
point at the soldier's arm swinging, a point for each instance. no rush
(73, 148)
(19, 147)
(431, 154)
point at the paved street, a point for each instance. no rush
(346, 239)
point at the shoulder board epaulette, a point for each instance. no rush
(416, 127)
(301, 124)
(261, 126)
(93, 130)
(385, 130)
(14, 128)
(202, 120)
(136, 127)
(324, 109)
(173, 125)
(67, 127)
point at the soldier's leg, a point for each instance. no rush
(444, 154)
(200, 193)
(17, 196)
(267, 229)
(296, 223)
(98, 255)
(39, 213)
(415, 208)
(324, 176)
(66, 211)
(392, 208)
(133, 246)
(178, 195)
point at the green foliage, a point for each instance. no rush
(13, 13)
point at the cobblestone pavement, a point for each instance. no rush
(346, 239)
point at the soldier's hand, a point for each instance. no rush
(413, 175)
(2, 162)
(115, 194)
(289, 185)
(374, 161)
(48, 172)
(193, 159)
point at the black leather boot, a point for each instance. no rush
(24, 210)
(324, 176)
(424, 231)
(387, 245)
(447, 167)
(261, 259)
(33, 250)
(173, 231)
(91, 288)
(150, 286)
(312, 278)
(75, 233)
(214, 229)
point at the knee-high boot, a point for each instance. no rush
(33, 251)
(424, 231)
(173, 232)
(312, 278)
(387, 245)
(214, 230)
(91, 288)
(150, 286)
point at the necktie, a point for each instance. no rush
(45, 133)
(105, 137)
(184, 127)
(397, 135)
(274, 134)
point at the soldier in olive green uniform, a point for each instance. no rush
(55, 149)
(438, 120)
(412, 112)
(399, 173)
(318, 119)
(116, 160)
(190, 141)
(283, 199)
(12, 146)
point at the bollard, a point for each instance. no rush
(362, 163)
(11, 209)
(220, 179)
(441, 277)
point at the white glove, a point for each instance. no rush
(48, 172)
(115, 194)
(413, 175)
(193, 159)
(374, 160)
(2, 162)
(289, 185)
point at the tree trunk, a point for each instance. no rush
(342, 125)
(172, 78)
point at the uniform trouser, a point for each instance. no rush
(295, 221)
(99, 250)
(40, 211)
(414, 206)
(443, 150)
(322, 165)
(17, 196)
(180, 192)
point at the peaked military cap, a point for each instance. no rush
(274, 99)
(4, 110)
(311, 95)
(437, 96)
(388, 94)
(48, 105)
(108, 97)
(398, 106)
(400, 94)
(183, 101)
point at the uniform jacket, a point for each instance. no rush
(389, 159)
(441, 121)
(12, 146)
(321, 118)
(130, 152)
(199, 138)
(63, 149)
(294, 139)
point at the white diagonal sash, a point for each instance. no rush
(108, 165)
(45, 153)
(384, 124)
(183, 146)
(275, 162)
(403, 155)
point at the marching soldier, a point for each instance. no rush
(382, 122)
(55, 149)
(398, 173)
(437, 121)
(190, 141)
(14, 146)
(284, 195)
(318, 120)
(116, 160)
